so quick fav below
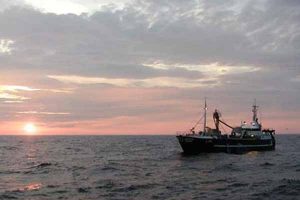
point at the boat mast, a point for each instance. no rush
(254, 110)
(205, 109)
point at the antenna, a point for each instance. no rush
(254, 110)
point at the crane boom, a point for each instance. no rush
(225, 124)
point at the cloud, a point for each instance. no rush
(16, 88)
(186, 33)
(12, 101)
(73, 6)
(63, 90)
(210, 76)
(6, 4)
(12, 96)
(6, 46)
(213, 70)
(17, 93)
(43, 113)
(152, 82)
(8, 92)
(63, 7)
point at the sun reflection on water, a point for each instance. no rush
(31, 187)
(252, 153)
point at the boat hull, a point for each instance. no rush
(195, 144)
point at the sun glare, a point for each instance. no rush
(30, 128)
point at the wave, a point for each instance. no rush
(267, 164)
(9, 148)
(284, 189)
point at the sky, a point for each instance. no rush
(145, 66)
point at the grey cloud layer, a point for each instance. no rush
(116, 43)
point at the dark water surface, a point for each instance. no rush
(142, 167)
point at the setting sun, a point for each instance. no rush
(30, 128)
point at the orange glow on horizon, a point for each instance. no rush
(129, 126)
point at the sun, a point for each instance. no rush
(30, 128)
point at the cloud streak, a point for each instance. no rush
(146, 83)
(9, 93)
(43, 113)
(16, 88)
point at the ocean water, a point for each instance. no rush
(142, 167)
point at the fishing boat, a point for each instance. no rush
(244, 138)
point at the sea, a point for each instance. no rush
(142, 167)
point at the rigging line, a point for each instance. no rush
(198, 122)
(199, 113)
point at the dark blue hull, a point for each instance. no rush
(194, 145)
